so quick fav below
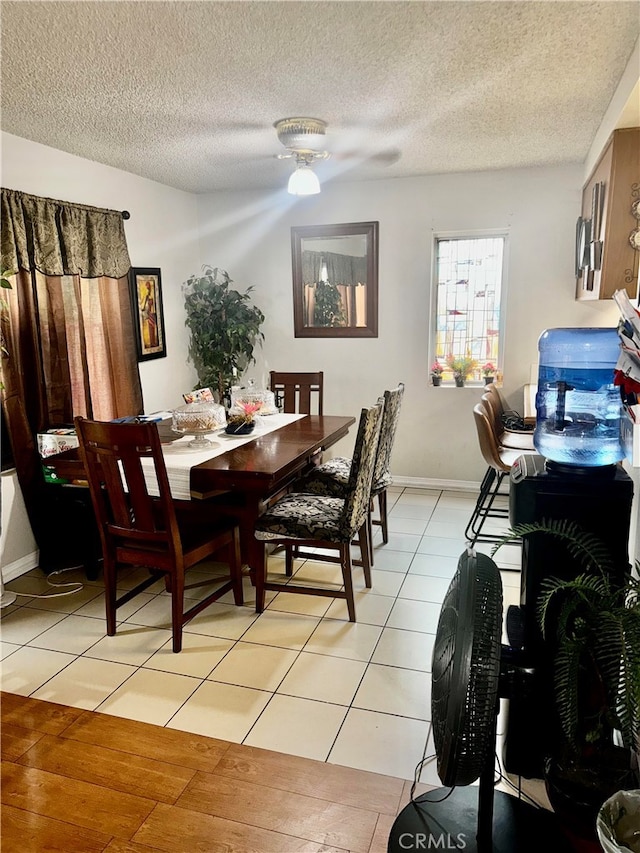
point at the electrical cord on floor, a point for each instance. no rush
(77, 586)
(423, 798)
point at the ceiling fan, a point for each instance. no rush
(304, 139)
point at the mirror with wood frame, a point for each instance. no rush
(335, 280)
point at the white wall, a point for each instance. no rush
(161, 233)
(248, 234)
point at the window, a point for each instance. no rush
(469, 291)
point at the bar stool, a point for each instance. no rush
(499, 460)
(512, 439)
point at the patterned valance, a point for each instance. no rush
(341, 269)
(61, 238)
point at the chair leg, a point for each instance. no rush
(260, 578)
(177, 606)
(110, 582)
(235, 568)
(384, 521)
(345, 561)
(290, 552)
(365, 550)
(370, 533)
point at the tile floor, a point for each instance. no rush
(299, 678)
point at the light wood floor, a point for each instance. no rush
(76, 780)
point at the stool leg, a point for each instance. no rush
(489, 491)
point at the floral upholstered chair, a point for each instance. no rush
(332, 477)
(321, 521)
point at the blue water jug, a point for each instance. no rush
(577, 405)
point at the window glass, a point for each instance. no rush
(469, 289)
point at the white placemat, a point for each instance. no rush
(180, 458)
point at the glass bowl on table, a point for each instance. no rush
(264, 401)
(198, 420)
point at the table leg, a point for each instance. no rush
(245, 509)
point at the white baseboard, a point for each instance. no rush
(30, 561)
(429, 483)
(20, 567)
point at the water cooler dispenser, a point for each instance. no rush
(575, 477)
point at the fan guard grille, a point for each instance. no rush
(466, 669)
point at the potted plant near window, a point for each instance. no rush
(436, 373)
(592, 624)
(489, 372)
(224, 328)
(461, 367)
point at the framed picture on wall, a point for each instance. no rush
(146, 300)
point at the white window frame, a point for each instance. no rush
(433, 302)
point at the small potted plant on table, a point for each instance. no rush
(241, 421)
(436, 373)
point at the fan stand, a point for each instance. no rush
(487, 822)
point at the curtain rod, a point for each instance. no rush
(123, 213)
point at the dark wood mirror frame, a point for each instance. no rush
(369, 230)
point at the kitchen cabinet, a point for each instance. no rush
(606, 259)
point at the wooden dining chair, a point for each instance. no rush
(165, 536)
(295, 390)
(332, 477)
(319, 521)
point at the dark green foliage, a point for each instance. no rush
(4, 276)
(328, 310)
(224, 328)
(595, 626)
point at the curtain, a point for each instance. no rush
(68, 333)
(58, 238)
(341, 269)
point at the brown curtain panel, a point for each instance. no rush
(69, 346)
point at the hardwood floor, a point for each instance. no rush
(75, 780)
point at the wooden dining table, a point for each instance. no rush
(243, 481)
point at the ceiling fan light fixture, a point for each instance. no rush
(303, 181)
(302, 134)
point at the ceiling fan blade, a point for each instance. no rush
(387, 157)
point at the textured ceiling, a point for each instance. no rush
(186, 93)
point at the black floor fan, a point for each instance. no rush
(469, 675)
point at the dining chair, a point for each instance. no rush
(295, 390)
(160, 534)
(499, 461)
(320, 521)
(332, 477)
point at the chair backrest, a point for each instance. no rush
(493, 405)
(358, 492)
(489, 446)
(392, 403)
(295, 389)
(135, 527)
